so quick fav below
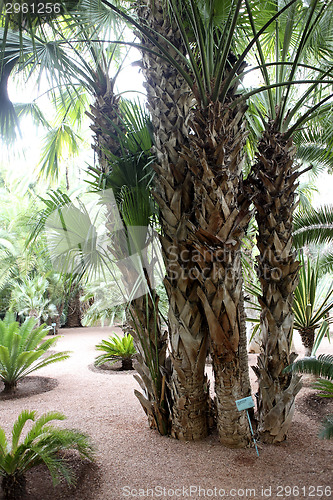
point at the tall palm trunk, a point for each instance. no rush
(106, 123)
(273, 182)
(221, 216)
(143, 317)
(169, 101)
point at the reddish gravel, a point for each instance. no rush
(136, 462)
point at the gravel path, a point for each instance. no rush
(136, 462)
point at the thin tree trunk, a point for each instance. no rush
(34, 313)
(273, 183)
(145, 326)
(10, 387)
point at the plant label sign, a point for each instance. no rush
(244, 403)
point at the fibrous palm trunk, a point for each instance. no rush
(10, 387)
(14, 486)
(151, 343)
(106, 123)
(222, 214)
(74, 313)
(143, 318)
(273, 182)
(169, 102)
(307, 336)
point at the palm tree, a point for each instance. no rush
(273, 182)
(121, 138)
(218, 212)
(117, 349)
(185, 208)
(312, 305)
(199, 174)
(173, 191)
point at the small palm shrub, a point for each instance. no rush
(116, 349)
(22, 348)
(323, 368)
(312, 305)
(43, 444)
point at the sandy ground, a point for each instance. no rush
(136, 462)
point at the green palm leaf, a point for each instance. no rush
(115, 348)
(321, 366)
(313, 226)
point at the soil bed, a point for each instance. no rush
(134, 461)
(29, 386)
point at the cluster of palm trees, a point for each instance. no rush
(208, 129)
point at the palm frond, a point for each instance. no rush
(313, 226)
(321, 366)
(58, 142)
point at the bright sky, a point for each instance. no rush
(325, 190)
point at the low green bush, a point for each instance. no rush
(323, 368)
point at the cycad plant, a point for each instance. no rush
(312, 306)
(43, 444)
(22, 350)
(115, 349)
(323, 368)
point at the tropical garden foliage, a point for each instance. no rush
(216, 150)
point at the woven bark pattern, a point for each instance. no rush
(105, 116)
(221, 216)
(169, 102)
(274, 182)
(307, 336)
